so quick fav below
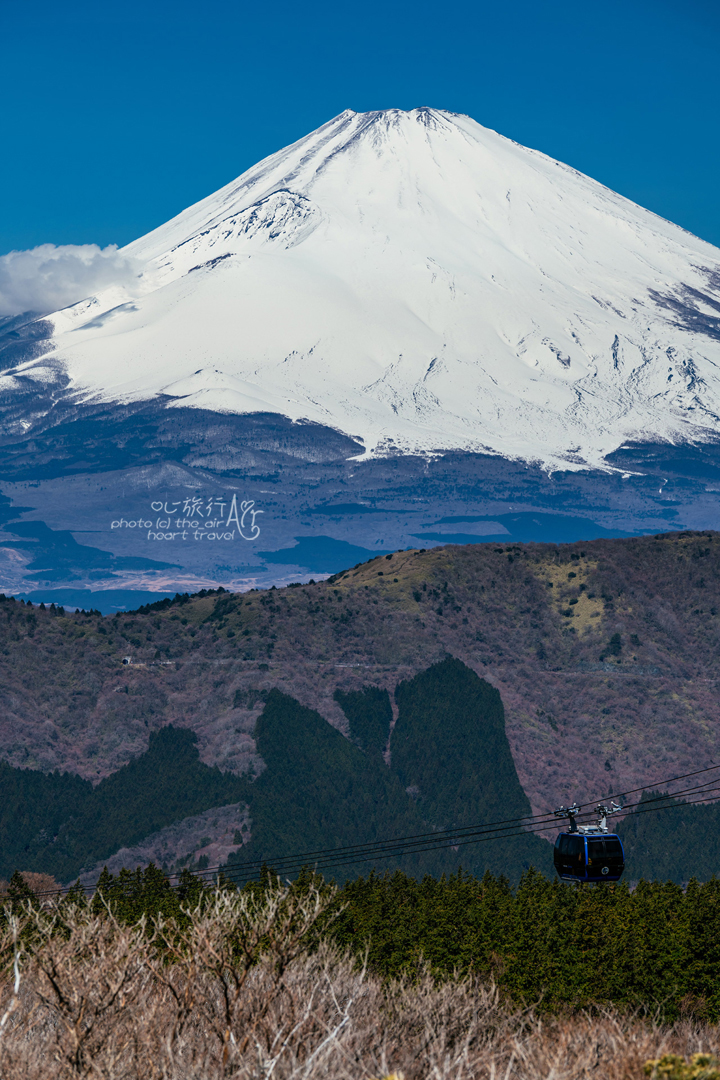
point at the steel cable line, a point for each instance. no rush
(290, 864)
(452, 839)
(415, 839)
(381, 849)
(510, 832)
(421, 842)
(340, 856)
(674, 795)
(230, 873)
(669, 780)
(678, 806)
(443, 837)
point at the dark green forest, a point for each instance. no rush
(450, 767)
(34, 807)
(449, 745)
(59, 824)
(319, 790)
(561, 945)
(369, 715)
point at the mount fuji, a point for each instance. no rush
(398, 293)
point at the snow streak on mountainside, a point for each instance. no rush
(419, 281)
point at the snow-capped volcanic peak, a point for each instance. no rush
(419, 281)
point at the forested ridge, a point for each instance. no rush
(317, 789)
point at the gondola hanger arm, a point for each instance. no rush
(571, 813)
(603, 813)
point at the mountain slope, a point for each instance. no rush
(605, 654)
(316, 791)
(420, 282)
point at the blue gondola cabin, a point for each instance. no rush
(589, 858)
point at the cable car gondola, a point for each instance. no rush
(589, 852)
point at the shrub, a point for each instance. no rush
(673, 1067)
(246, 988)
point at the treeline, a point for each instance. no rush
(549, 944)
(173, 601)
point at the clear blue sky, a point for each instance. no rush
(117, 116)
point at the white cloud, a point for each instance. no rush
(46, 278)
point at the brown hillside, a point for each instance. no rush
(605, 653)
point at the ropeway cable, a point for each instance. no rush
(290, 864)
(231, 872)
(422, 842)
(464, 830)
(415, 840)
(245, 871)
(233, 875)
